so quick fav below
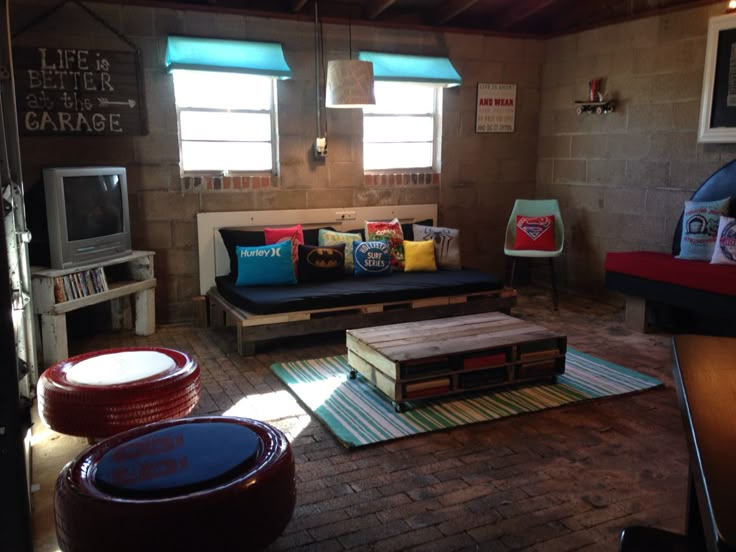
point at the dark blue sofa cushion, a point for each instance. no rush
(350, 291)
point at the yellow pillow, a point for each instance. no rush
(419, 256)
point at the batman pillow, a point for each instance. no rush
(318, 263)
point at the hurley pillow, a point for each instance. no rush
(699, 228)
(390, 232)
(372, 258)
(267, 265)
(233, 237)
(419, 256)
(330, 237)
(320, 263)
(293, 234)
(537, 233)
(724, 251)
(446, 244)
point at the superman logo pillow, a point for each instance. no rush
(536, 233)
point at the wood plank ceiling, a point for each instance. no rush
(511, 17)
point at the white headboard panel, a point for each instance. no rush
(213, 259)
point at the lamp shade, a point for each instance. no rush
(349, 83)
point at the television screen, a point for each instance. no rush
(93, 206)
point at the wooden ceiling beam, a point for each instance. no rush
(297, 5)
(521, 11)
(450, 10)
(377, 7)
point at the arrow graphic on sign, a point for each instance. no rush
(104, 102)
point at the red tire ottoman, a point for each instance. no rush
(105, 392)
(198, 484)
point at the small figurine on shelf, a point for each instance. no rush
(595, 90)
(595, 102)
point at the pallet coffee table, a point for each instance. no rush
(443, 357)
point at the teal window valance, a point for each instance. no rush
(239, 56)
(420, 69)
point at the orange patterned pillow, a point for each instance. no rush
(391, 233)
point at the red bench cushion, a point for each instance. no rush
(663, 267)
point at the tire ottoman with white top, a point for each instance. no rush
(102, 393)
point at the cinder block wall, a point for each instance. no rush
(622, 178)
(481, 174)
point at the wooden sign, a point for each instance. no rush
(495, 109)
(70, 91)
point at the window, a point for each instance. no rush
(402, 130)
(227, 121)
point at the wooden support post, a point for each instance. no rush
(636, 314)
(53, 330)
(245, 348)
(145, 312)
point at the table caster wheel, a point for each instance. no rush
(599, 110)
(399, 407)
(353, 374)
(579, 110)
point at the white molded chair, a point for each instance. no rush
(535, 208)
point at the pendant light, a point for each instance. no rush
(349, 81)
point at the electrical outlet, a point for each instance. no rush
(320, 149)
(345, 215)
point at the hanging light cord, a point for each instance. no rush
(319, 67)
(316, 65)
(350, 37)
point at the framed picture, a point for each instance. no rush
(718, 104)
(495, 107)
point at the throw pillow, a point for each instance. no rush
(419, 256)
(331, 237)
(391, 233)
(446, 244)
(537, 233)
(699, 228)
(407, 229)
(266, 265)
(232, 238)
(294, 234)
(724, 251)
(311, 235)
(321, 263)
(372, 258)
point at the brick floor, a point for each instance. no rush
(558, 480)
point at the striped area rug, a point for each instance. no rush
(358, 414)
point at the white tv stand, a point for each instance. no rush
(129, 275)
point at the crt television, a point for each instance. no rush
(87, 213)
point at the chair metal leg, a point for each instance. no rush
(513, 269)
(555, 298)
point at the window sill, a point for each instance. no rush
(226, 183)
(385, 179)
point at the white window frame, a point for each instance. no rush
(273, 111)
(436, 137)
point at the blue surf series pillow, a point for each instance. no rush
(266, 265)
(372, 258)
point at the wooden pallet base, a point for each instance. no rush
(465, 353)
(253, 328)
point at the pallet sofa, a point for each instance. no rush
(648, 277)
(262, 313)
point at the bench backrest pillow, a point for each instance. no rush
(720, 184)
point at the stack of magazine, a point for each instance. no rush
(79, 284)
